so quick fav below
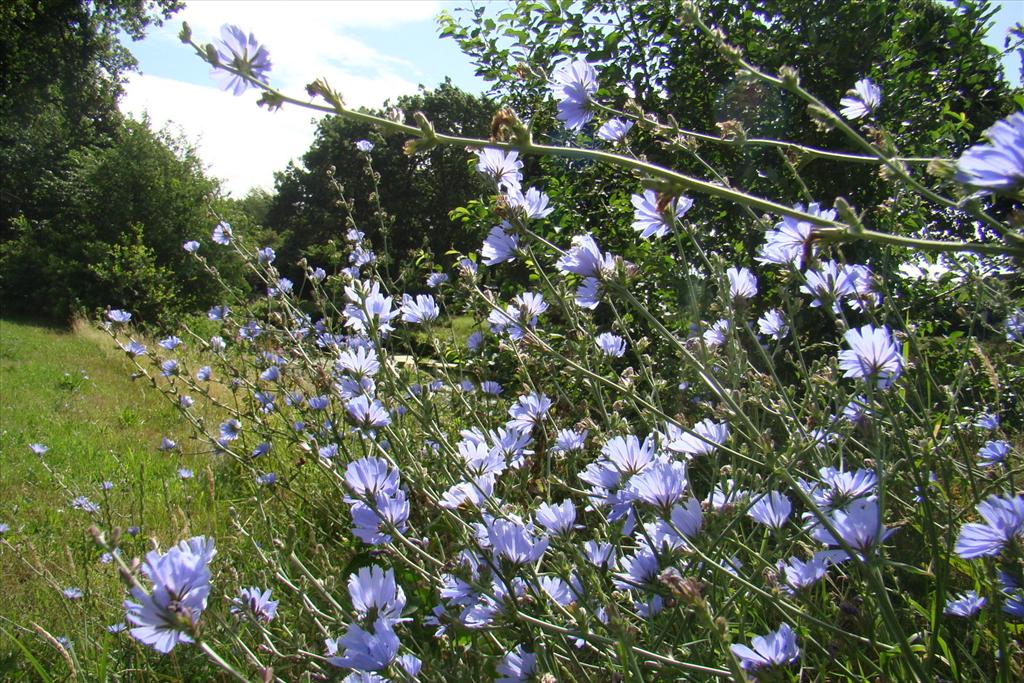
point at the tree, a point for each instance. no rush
(61, 72)
(942, 87)
(417, 191)
(121, 213)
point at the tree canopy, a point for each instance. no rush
(62, 68)
(416, 192)
(939, 92)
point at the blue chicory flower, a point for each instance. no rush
(230, 429)
(773, 324)
(222, 233)
(742, 284)
(371, 476)
(266, 255)
(859, 525)
(1004, 522)
(987, 421)
(614, 130)
(365, 650)
(517, 666)
(585, 258)
(367, 519)
(499, 246)
(661, 484)
(964, 605)
(790, 242)
(318, 402)
(715, 335)
(600, 554)
(250, 331)
(705, 437)
(420, 310)
(164, 616)
(514, 542)
(376, 595)
(799, 574)
(528, 411)
(588, 295)
(654, 214)
(368, 413)
(84, 504)
(872, 356)
(611, 345)
(435, 280)
(218, 313)
(116, 315)
(830, 284)
(254, 603)
(557, 518)
(133, 348)
(169, 343)
(771, 510)
(1014, 325)
(999, 165)
(572, 85)
(777, 648)
(533, 204)
(993, 453)
(491, 388)
(1013, 595)
(242, 53)
(861, 100)
(503, 168)
(567, 440)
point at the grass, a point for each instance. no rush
(70, 390)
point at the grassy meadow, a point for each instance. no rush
(71, 391)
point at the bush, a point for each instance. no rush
(120, 216)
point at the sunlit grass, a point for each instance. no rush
(70, 390)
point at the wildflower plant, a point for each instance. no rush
(770, 470)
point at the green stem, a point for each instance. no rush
(219, 661)
(721, 673)
(781, 145)
(678, 181)
(892, 163)
(846, 234)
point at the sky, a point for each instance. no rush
(370, 51)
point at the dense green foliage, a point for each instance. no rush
(940, 93)
(411, 211)
(95, 206)
(61, 73)
(120, 213)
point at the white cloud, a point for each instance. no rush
(242, 143)
(307, 40)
